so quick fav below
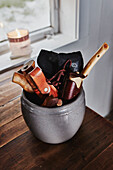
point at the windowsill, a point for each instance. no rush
(51, 43)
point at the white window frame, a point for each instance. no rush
(68, 29)
(60, 33)
(41, 33)
(54, 23)
(64, 22)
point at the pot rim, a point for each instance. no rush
(59, 109)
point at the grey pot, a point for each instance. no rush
(54, 125)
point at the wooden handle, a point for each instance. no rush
(28, 67)
(102, 50)
(21, 80)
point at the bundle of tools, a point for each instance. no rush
(57, 80)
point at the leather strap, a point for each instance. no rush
(38, 77)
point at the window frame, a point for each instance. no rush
(40, 34)
(68, 16)
(54, 23)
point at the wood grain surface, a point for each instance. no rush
(12, 123)
(103, 161)
(90, 148)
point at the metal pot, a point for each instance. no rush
(54, 125)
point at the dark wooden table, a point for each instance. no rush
(91, 148)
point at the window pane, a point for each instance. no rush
(29, 14)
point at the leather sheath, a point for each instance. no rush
(70, 90)
(38, 77)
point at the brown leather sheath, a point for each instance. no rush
(38, 77)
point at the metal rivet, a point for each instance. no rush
(46, 89)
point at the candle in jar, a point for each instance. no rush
(19, 43)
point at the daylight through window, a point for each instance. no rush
(29, 14)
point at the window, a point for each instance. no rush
(60, 26)
(30, 14)
(40, 17)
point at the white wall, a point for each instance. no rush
(96, 27)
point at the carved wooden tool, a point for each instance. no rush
(20, 76)
(37, 80)
(28, 66)
(74, 83)
(21, 80)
